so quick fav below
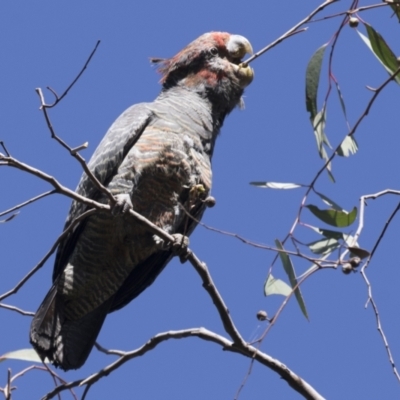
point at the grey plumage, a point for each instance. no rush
(158, 153)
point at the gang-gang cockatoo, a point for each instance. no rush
(156, 158)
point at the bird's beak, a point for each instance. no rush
(238, 46)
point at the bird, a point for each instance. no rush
(156, 160)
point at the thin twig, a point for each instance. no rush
(18, 310)
(248, 241)
(59, 98)
(56, 377)
(292, 31)
(59, 188)
(379, 324)
(272, 321)
(350, 12)
(85, 392)
(74, 152)
(33, 199)
(370, 299)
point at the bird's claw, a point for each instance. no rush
(180, 246)
(122, 205)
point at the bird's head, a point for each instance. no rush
(211, 65)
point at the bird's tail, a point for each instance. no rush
(66, 343)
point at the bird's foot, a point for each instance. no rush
(123, 204)
(180, 246)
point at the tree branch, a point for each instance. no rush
(295, 381)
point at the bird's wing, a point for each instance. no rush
(110, 153)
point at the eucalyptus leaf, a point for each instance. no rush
(324, 246)
(276, 185)
(276, 286)
(341, 99)
(319, 132)
(331, 234)
(329, 171)
(334, 217)
(358, 252)
(381, 50)
(347, 147)
(9, 218)
(313, 73)
(23, 354)
(289, 269)
(329, 201)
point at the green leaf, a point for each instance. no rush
(288, 267)
(349, 240)
(319, 132)
(319, 126)
(341, 99)
(23, 354)
(381, 50)
(276, 286)
(324, 246)
(276, 185)
(321, 138)
(347, 147)
(330, 234)
(330, 176)
(313, 73)
(330, 202)
(333, 217)
(358, 252)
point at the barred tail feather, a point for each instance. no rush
(66, 343)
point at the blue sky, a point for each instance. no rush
(338, 351)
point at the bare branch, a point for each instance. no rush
(33, 199)
(58, 99)
(199, 266)
(59, 188)
(74, 152)
(18, 310)
(370, 299)
(378, 323)
(295, 381)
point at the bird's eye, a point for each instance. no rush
(213, 51)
